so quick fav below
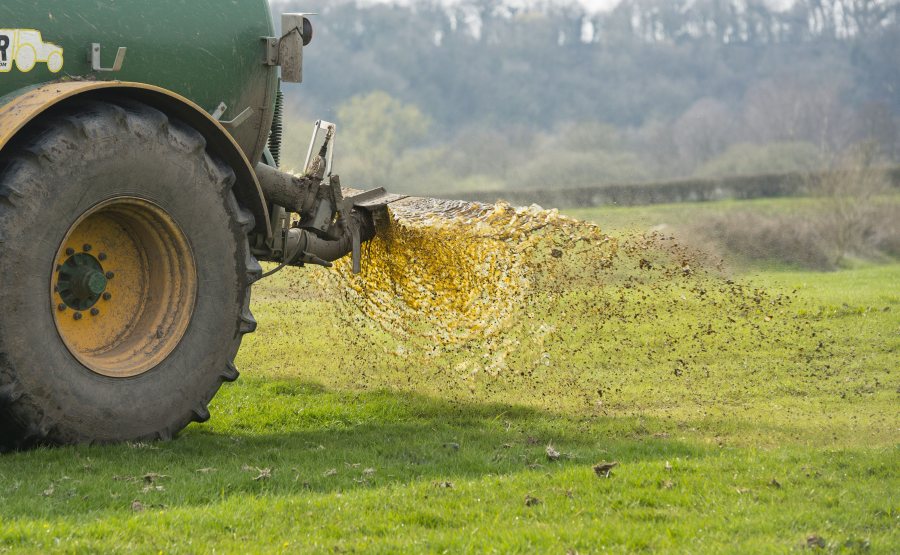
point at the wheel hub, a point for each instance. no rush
(81, 281)
(122, 311)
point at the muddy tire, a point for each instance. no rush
(125, 276)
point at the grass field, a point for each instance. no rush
(824, 233)
(652, 215)
(616, 218)
(773, 433)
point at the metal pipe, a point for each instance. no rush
(285, 189)
(298, 241)
(331, 226)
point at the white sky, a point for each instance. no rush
(607, 4)
(598, 5)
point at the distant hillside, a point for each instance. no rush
(678, 82)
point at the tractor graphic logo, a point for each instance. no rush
(26, 48)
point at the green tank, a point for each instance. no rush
(139, 191)
(205, 50)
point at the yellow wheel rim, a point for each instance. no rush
(124, 287)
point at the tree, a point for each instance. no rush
(703, 131)
(850, 194)
(378, 128)
(749, 159)
(680, 80)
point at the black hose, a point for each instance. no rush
(295, 257)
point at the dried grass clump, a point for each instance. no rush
(778, 238)
(856, 216)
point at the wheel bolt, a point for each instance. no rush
(110, 275)
(107, 296)
(101, 257)
(87, 248)
(70, 251)
(61, 307)
(95, 311)
(77, 316)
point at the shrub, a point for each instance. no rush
(749, 159)
(750, 236)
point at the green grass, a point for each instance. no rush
(341, 437)
(628, 218)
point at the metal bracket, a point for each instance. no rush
(355, 249)
(301, 22)
(238, 120)
(330, 131)
(272, 48)
(232, 123)
(94, 58)
(372, 199)
(219, 111)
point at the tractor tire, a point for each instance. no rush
(125, 275)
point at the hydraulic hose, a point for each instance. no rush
(277, 132)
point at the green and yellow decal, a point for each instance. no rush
(25, 48)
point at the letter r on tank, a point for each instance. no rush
(4, 46)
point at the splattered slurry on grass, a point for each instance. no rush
(454, 271)
(526, 305)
